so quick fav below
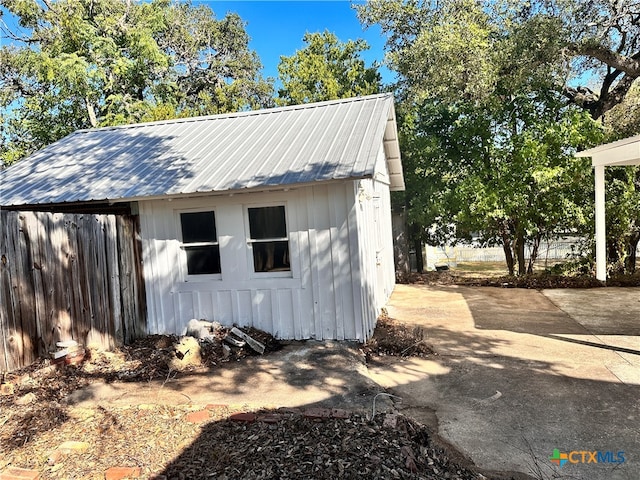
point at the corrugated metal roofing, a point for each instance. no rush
(282, 146)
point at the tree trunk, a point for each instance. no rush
(92, 113)
(417, 245)
(630, 259)
(519, 253)
(534, 253)
(508, 253)
(400, 243)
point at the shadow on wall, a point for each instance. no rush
(74, 276)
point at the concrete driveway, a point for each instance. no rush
(521, 373)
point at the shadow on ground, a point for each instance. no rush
(516, 377)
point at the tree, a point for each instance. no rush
(488, 138)
(78, 64)
(463, 47)
(326, 69)
(514, 191)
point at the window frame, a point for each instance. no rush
(187, 277)
(251, 241)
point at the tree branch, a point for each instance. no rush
(628, 64)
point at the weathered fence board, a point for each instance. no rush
(67, 276)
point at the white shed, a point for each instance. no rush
(278, 219)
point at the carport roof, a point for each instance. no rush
(622, 152)
(301, 144)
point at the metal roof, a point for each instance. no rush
(302, 144)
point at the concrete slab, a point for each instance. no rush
(520, 373)
(330, 374)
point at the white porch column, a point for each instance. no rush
(601, 233)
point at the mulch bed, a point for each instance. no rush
(164, 444)
(536, 280)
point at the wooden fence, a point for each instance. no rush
(67, 276)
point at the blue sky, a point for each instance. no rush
(276, 27)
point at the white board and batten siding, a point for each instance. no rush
(341, 271)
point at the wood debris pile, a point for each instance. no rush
(396, 339)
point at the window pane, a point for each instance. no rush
(203, 260)
(271, 256)
(198, 227)
(267, 222)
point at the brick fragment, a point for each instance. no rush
(291, 411)
(118, 473)
(243, 417)
(317, 413)
(199, 416)
(14, 473)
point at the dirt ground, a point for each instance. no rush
(206, 441)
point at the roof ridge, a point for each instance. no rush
(246, 113)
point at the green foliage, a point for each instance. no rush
(326, 69)
(441, 50)
(487, 135)
(494, 172)
(454, 49)
(93, 63)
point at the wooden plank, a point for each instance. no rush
(75, 273)
(7, 307)
(89, 275)
(36, 235)
(63, 233)
(27, 325)
(140, 290)
(116, 325)
(132, 291)
(13, 340)
(102, 319)
(48, 283)
(126, 282)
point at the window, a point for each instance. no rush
(200, 242)
(268, 239)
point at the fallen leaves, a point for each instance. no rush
(181, 442)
